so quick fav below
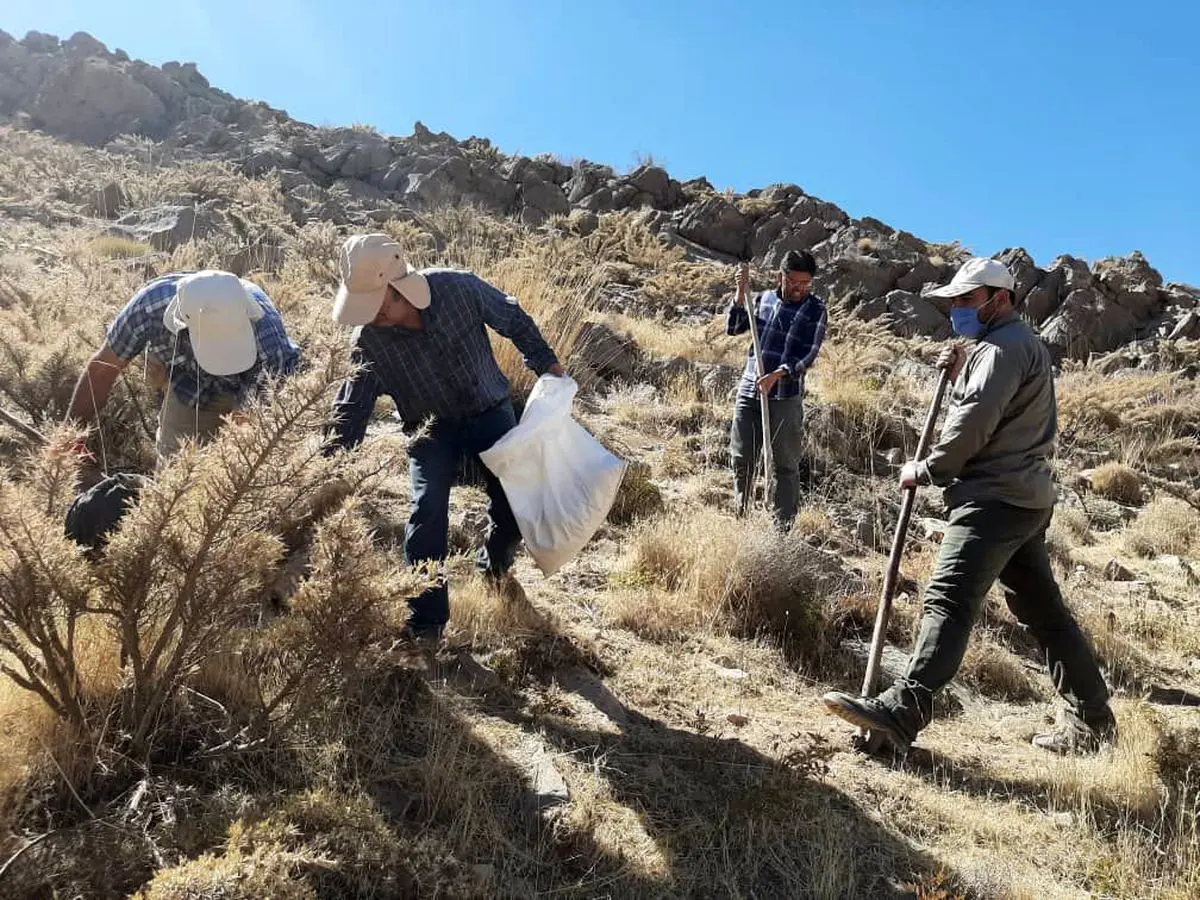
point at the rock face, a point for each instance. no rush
(80, 91)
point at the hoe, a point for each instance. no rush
(865, 739)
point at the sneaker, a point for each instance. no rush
(1075, 736)
(868, 714)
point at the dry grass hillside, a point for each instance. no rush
(216, 708)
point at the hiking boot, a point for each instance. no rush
(1075, 736)
(869, 714)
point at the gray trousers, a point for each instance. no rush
(985, 542)
(787, 440)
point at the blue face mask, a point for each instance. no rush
(965, 321)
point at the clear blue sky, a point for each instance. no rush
(1063, 127)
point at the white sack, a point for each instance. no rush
(560, 481)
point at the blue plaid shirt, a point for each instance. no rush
(790, 336)
(138, 328)
(448, 369)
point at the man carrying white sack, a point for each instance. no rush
(421, 337)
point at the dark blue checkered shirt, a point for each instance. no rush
(790, 336)
(138, 328)
(448, 370)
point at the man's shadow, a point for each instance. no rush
(700, 815)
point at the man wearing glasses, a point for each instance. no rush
(791, 327)
(993, 459)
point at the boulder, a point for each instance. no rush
(607, 353)
(266, 156)
(1026, 274)
(368, 161)
(330, 159)
(717, 381)
(359, 192)
(812, 208)
(83, 44)
(1131, 283)
(92, 101)
(926, 271)
(715, 223)
(396, 175)
(863, 261)
(766, 232)
(600, 201)
(1187, 328)
(803, 236)
(911, 315)
(1044, 298)
(651, 180)
(545, 197)
(167, 227)
(1087, 322)
(108, 201)
(583, 222)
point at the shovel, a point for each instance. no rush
(873, 742)
(768, 456)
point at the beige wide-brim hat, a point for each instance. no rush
(368, 264)
(219, 313)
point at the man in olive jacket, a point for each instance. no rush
(992, 458)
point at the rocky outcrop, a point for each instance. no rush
(79, 90)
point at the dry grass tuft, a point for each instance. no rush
(1117, 481)
(1121, 781)
(111, 246)
(267, 872)
(343, 847)
(1167, 525)
(994, 672)
(736, 575)
(637, 497)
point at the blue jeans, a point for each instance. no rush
(433, 464)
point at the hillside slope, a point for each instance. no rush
(648, 725)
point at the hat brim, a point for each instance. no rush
(357, 309)
(952, 290)
(223, 345)
(415, 288)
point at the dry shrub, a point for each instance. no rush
(184, 577)
(1068, 529)
(739, 575)
(1118, 482)
(1110, 415)
(1121, 782)
(342, 847)
(1125, 665)
(266, 872)
(660, 339)
(637, 496)
(660, 415)
(481, 616)
(1072, 522)
(861, 409)
(1167, 525)
(994, 672)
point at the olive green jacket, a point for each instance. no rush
(999, 433)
